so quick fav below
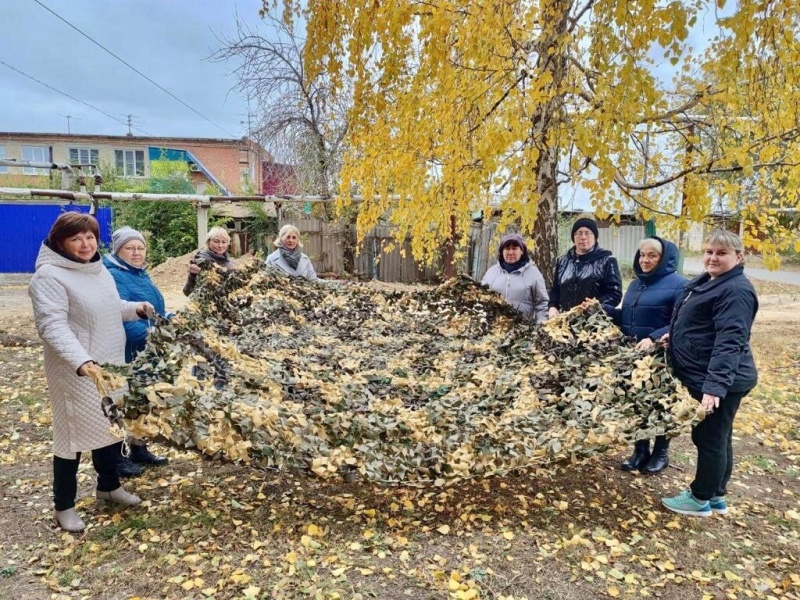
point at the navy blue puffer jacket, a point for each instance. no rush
(649, 301)
(135, 285)
(709, 339)
(581, 276)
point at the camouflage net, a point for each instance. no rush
(343, 379)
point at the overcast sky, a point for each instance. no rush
(169, 41)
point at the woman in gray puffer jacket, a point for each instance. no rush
(517, 279)
(288, 257)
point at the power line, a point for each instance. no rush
(131, 67)
(48, 86)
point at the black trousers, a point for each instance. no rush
(713, 437)
(65, 475)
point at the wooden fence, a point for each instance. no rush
(380, 256)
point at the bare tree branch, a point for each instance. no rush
(300, 120)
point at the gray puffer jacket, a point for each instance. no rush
(524, 289)
(304, 268)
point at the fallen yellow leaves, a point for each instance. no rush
(211, 530)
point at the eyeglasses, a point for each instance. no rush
(583, 233)
(132, 249)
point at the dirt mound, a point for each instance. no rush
(170, 275)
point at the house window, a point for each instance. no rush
(3, 155)
(84, 156)
(39, 154)
(130, 163)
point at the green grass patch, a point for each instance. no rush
(66, 578)
(764, 463)
(8, 571)
(30, 399)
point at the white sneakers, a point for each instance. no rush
(69, 520)
(118, 496)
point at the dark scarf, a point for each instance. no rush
(511, 267)
(292, 257)
(223, 260)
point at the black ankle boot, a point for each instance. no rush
(660, 458)
(127, 468)
(640, 456)
(140, 454)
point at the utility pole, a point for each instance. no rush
(130, 123)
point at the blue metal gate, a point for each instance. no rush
(23, 228)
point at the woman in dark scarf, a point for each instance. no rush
(288, 257)
(216, 250)
(517, 279)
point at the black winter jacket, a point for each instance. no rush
(709, 341)
(651, 297)
(580, 276)
(206, 255)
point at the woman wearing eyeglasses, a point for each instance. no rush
(127, 265)
(586, 271)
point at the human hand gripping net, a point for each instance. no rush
(427, 386)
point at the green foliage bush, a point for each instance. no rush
(171, 227)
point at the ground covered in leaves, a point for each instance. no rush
(209, 529)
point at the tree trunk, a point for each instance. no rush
(547, 120)
(349, 247)
(449, 266)
(545, 228)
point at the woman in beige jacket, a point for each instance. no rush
(79, 316)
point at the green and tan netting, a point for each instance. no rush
(425, 386)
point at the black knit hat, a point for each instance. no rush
(585, 222)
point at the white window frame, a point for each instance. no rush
(3, 155)
(124, 164)
(91, 154)
(36, 154)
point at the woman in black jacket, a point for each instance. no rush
(709, 351)
(645, 315)
(586, 271)
(216, 251)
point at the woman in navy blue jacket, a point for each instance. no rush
(126, 263)
(709, 351)
(645, 315)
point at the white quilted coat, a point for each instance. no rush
(79, 317)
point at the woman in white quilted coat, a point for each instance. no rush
(79, 317)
